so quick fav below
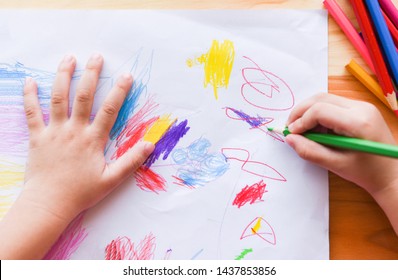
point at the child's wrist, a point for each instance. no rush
(48, 206)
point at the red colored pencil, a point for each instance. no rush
(375, 52)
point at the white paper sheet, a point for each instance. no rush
(231, 191)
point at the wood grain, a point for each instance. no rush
(358, 227)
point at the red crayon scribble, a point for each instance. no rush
(148, 180)
(265, 231)
(135, 128)
(263, 89)
(122, 248)
(136, 134)
(250, 194)
(253, 167)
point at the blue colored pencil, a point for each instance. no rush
(385, 40)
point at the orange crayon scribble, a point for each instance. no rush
(218, 63)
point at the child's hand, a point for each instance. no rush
(350, 118)
(376, 174)
(66, 171)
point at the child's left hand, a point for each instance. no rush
(66, 171)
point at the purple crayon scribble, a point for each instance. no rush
(254, 122)
(168, 141)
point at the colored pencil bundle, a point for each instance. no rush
(378, 23)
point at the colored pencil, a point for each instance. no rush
(390, 10)
(367, 80)
(392, 28)
(350, 143)
(386, 42)
(342, 20)
(375, 53)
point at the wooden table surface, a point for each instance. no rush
(358, 227)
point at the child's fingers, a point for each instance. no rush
(108, 112)
(314, 152)
(86, 87)
(60, 92)
(128, 163)
(328, 115)
(299, 110)
(34, 116)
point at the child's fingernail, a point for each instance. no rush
(292, 126)
(96, 56)
(127, 76)
(68, 58)
(148, 147)
(28, 80)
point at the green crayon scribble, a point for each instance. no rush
(243, 254)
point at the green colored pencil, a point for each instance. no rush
(349, 143)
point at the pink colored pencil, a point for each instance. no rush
(390, 10)
(349, 30)
(375, 52)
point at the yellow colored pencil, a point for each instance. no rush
(367, 80)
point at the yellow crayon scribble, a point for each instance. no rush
(218, 63)
(158, 129)
(11, 174)
(5, 204)
(256, 226)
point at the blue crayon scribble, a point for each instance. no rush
(138, 88)
(197, 165)
(12, 80)
(168, 141)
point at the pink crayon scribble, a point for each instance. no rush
(250, 194)
(122, 248)
(265, 90)
(253, 167)
(260, 228)
(69, 241)
(148, 180)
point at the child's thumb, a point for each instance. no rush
(129, 162)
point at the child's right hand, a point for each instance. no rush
(376, 174)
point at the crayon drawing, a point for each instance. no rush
(260, 228)
(122, 248)
(217, 63)
(218, 185)
(197, 166)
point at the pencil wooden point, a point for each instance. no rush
(367, 80)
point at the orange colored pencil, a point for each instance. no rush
(375, 53)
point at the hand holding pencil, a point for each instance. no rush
(349, 118)
(376, 174)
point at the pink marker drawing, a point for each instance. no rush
(265, 90)
(260, 228)
(257, 168)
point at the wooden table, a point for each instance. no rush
(358, 227)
